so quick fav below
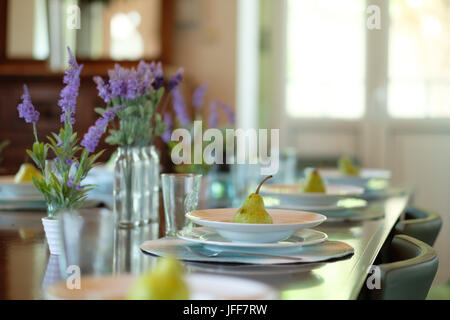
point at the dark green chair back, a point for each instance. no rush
(420, 224)
(409, 273)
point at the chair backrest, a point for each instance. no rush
(410, 272)
(420, 224)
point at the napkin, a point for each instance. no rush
(325, 251)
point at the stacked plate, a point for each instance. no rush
(340, 202)
(24, 196)
(336, 197)
(289, 231)
(369, 179)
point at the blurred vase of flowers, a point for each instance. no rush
(60, 179)
(217, 181)
(136, 167)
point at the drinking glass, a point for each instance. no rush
(87, 241)
(180, 195)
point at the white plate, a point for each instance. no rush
(36, 203)
(201, 287)
(8, 188)
(255, 270)
(291, 194)
(285, 223)
(344, 204)
(212, 240)
(368, 178)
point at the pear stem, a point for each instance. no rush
(261, 183)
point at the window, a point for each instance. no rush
(419, 59)
(325, 58)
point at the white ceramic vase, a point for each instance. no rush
(51, 228)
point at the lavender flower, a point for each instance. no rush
(146, 74)
(198, 98)
(69, 162)
(117, 78)
(176, 80)
(158, 80)
(180, 107)
(55, 159)
(70, 183)
(169, 123)
(79, 187)
(125, 83)
(103, 89)
(26, 108)
(95, 132)
(69, 94)
(214, 115)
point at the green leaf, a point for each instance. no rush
(100, 111)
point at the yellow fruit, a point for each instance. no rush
(26, 234)
(253, 211)
(314, 183)
(164, 282)
(347, 167)
(25, 173)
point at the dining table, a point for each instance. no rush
(26, 267)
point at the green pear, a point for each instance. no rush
(347, 167)
(253, 211)
(164, 282)
(314, 183)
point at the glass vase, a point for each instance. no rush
(136, 186)
(150, 211)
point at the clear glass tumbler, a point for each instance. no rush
(87, 242)
(180, 195)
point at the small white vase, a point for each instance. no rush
(51, 227)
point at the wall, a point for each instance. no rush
(20, 28)
(205, 45)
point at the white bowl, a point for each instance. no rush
(285, 224)
(24, 189)
(292, 195)
(364, 180)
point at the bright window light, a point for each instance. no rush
(419, 59)
(325, 59)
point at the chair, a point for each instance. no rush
(420, 224)
(409, 273)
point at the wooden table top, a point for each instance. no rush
(26, 266)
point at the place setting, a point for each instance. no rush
(249, 235)
(338, 202)
(375, 182)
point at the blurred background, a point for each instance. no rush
(369, 79)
